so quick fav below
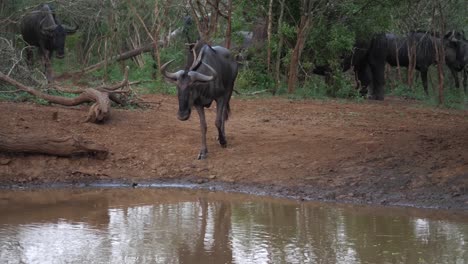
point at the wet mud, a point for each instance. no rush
(393, 153)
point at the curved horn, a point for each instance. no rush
(70, 30)
(211, 69)
(198, 59)
(170, 75)
(196, 76)
(50, 28)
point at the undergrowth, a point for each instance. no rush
(252, 79)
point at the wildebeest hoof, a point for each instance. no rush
(202, 155)
(222, 142)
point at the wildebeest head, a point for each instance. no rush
(54, 31)
(456, 50)
(57, 35)
(186, 80)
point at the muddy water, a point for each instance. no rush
(187, 226)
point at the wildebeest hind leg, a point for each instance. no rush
(220, 119)
(204, 150)
(465, 78)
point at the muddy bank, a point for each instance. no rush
(389, 153)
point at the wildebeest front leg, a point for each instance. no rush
(424, 80)
(47, 66)
(455, 78)
(220, 114)
(204, 150)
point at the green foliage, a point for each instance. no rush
(453, 98)
(108, 28)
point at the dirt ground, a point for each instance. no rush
(394, 152)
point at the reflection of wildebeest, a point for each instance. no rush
(41, 28)
(210, 77)
(456, 58)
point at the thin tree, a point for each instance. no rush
(280, 48)
(307, 7)
(270, 25)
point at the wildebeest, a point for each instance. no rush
(355, 59)
(419, 45)
(209, 76)
(456, 57)
(394, 50)
(41, 28)
(369, 57)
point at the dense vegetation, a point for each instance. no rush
(327, 30)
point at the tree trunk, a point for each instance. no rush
(412, 62)
(440, 51)
(296, 55)
(280, 48)
(65, 146)
(270, 25)
(229, 26)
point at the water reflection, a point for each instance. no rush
(182, 226)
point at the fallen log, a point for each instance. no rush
(98, 112)
(64, 147)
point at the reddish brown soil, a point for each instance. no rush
(393, 152)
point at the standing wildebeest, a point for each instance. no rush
(420, 45)
(210, 77)
(369, 58)
(456, 58)
(395, 50)
(424, 44)
(41, 28)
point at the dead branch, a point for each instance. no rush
(98, 112)
(65, 146)
(121, 57)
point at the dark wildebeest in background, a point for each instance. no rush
(395, 50)
(209, 76)
(355, 59)
(419, 45)
(456, 57)
(40, 28)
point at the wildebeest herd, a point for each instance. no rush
(369, 58)
(210, 72)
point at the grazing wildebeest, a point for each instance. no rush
(209, 76)
(456, 57)
(40, 28)
(355, 59)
